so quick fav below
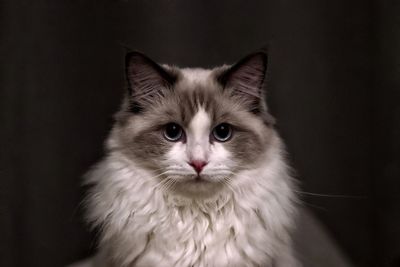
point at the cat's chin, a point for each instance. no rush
(198, 187)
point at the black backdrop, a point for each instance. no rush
(333, 86)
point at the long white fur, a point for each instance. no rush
(246, 225)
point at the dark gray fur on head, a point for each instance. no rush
(149, 81)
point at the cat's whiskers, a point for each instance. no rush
(158, 175)
(159, 169)
(311, 193)
(167, 184)
(163, 183)
(227, 181)
(329, 195)
(171, 185)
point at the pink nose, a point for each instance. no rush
(198, 165)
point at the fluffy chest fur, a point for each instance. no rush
(246, 225)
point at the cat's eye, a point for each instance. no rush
(222, 132)
(173, 132)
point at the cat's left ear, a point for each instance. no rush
(245, 80)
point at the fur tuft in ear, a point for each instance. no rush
(245, 79)
(146, 79)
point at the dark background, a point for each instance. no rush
(333, 86)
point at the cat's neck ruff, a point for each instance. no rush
(127, 200)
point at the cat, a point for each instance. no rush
(195, 172)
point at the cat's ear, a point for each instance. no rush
(147, 80)
(245, 80)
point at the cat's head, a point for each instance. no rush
(194, 128)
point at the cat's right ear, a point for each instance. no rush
(245, 80)
(147, 81)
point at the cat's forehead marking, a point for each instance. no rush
(200, 124)
(195, 94)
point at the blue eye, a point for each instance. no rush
(173, 132)
(222, 132)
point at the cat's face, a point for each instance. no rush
(193, 128)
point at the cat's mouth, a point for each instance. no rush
(198, 180)
(202, 179)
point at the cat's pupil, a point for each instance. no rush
(222, 132)
(173, 132)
